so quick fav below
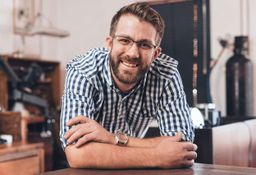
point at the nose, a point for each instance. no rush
(133, 51)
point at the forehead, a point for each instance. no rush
(136, 28)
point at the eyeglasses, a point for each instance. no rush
(128, 42)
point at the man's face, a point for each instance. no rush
(129, 60)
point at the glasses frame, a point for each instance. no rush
(138, 43)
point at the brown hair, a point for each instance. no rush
(144, 12)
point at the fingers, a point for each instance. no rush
(191, 155)
(189, 146)
(188, 159)
(71, 131)
(187, 163)
(78, 119)
(195, 147)
(183, 153)
(86, 130)
(77, 132)
(178, 137)
(84, 139)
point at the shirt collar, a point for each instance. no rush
(107, 72)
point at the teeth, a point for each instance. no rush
(129, 64)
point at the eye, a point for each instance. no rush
(124, 41)
(145, 45)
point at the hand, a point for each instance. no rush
(84, 130)
(172, 153)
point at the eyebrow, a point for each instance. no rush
(142, 40)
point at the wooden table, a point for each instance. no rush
(197, 169)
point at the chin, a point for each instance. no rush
(127, 80)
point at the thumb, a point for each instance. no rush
(177, 137)
(77, 120)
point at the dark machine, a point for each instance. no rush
(239, 80)
(21, 91)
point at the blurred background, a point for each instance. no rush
(39, 37)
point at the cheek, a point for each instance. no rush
(117, 50)
(148, 61)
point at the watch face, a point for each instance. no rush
(121, 138)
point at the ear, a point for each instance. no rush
(157, 52)
(109, 42)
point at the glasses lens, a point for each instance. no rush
(125, 41)
(145, 45)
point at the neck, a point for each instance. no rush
(123, 86)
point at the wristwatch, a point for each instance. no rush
(121, 138)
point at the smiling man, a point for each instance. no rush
(113, 94)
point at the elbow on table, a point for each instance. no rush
(75, 158)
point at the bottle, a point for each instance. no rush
(239, 81)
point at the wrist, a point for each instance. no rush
(112, 139)
(121, 139)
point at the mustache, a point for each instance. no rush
(131, 60)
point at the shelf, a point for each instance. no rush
(47, 81)
(33, 119)
(46, 86)
(25, 121)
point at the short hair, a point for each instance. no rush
(143, 11)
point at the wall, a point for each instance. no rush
(6, 37)
(88, 22)
(34, 46)
(226, 22)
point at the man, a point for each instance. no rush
(111, 96)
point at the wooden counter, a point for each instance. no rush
(21, 158)
(197, 169)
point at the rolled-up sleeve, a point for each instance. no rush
(76, 100)
(173, 112)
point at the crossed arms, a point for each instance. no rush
(92, 146)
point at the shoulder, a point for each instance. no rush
(164, 67)
(90, 63)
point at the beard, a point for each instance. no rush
(128, 76)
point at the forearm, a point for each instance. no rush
(167, 154)
(145, 142)
(82, 133)
(100, 155)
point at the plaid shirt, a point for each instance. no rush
(90, 91)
